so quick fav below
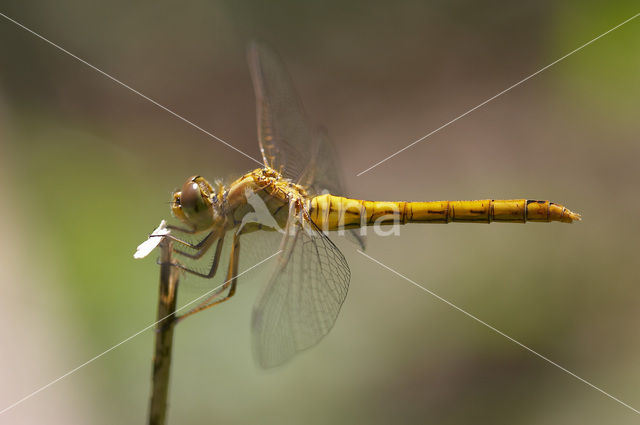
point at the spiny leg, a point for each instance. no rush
(185, 243)
(181, 229)
(201, 247)
(231, 281)
(214, 264)
(232, 271)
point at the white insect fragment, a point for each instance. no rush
(154, 240)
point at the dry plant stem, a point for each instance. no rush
(164, 335)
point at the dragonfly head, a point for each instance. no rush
(196, 204)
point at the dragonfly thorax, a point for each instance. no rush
(262, 196)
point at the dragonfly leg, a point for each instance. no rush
(231, 282)
(183, 242)
(214, 264)
(201, 247)
(181, 229)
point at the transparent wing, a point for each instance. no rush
(302, 300)
(287, 142)
(283, 133)
(324, 175)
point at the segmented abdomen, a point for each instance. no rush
(334, 212)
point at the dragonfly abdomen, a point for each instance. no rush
(488, 210)
(334, 212)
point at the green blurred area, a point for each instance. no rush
(88, 169)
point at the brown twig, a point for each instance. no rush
(164, 335)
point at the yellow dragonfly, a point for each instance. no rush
(296, 193)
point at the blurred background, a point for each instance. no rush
(87, 169)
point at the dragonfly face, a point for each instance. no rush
(196, 204)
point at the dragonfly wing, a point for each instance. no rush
(302, 300)
(324, 175)
(283, 133)
(287, 142)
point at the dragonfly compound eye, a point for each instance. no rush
(194, 203)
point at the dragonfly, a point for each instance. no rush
(299, 194)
